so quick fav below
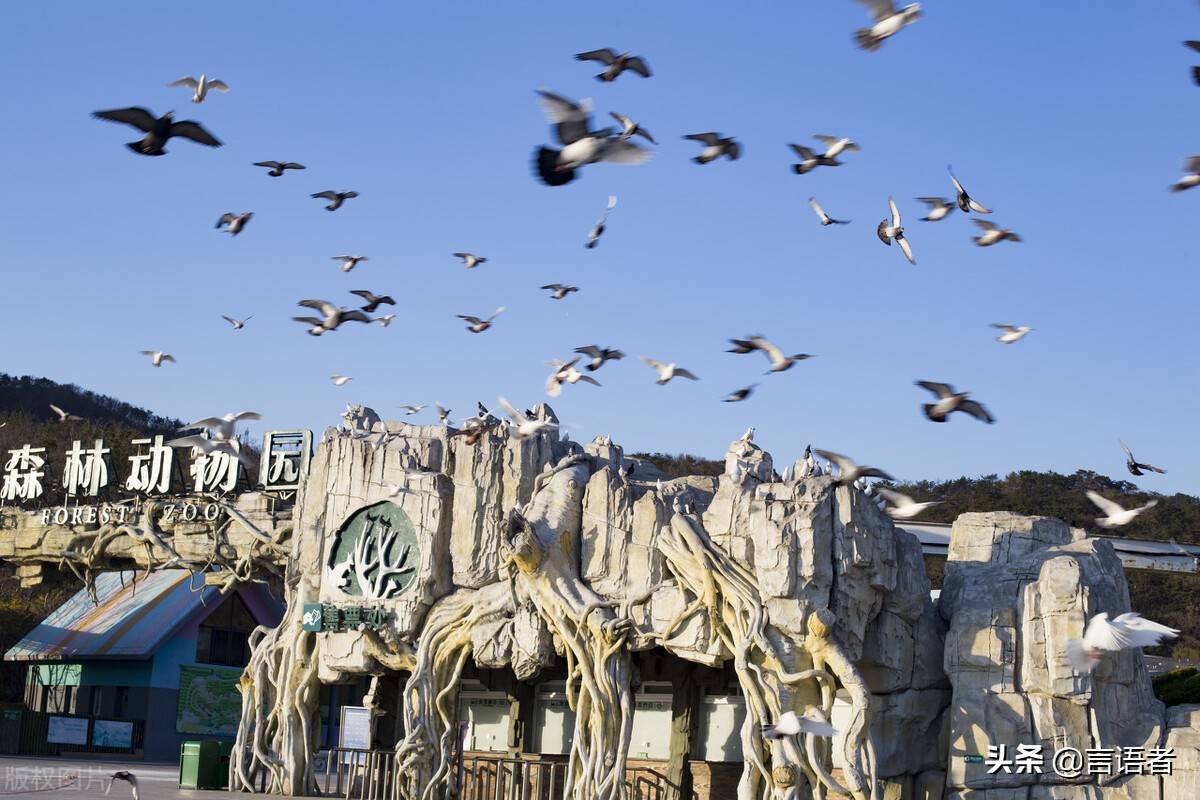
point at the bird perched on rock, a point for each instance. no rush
(888, 21)
(64, 416)
(350, 262)
(1012, 333)
(964, 200)
(810, 160)
(558, 291)
(520, 426)
(127, 777)
(1127, 631)
(894, 231)
(477, 325)
(237, 324)
(277, 168)
(950, 401)
(1114, 515)
(847, 471)
(580, 144)
(821, 215)
(992, 234)
(668, 371)
(903, 506)
(331, 317)
(792, 724)
(158, 130)
(565, 372)
(740, 395)
(715, 146)
(200, 86)
(340, 380)
(939, 207)
(779, 361)
(335, 198)
(1191, 177)
(631, 128)
(157, 357)
(593, 237)
(470, 260)
(1134, 466)
(234, 223)
(374, 301)
(615, 63)
(599, 355)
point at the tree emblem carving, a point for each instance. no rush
(375, 554)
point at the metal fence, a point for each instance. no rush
(25, 732)
(360, 774)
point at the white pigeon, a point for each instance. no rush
(939, 207)
(821, 215)
(331, 317)
(888, 233)
(888, 21)
(340, 380)
(222, 428)
(234, 223)
(992, 234)
(1012, 333)
(157, 357)
(1127, 631)
(64, 416)
(835, 145)
(903, 506)
(668, 371)
(593, 237)
(409, 410)
(385, 320)
(470, 260)
(520, 425)
(1191, 175)
(200, 86)
(1114, 515)
(580, 144)
(779, 360)
(350, 262)
(964, 200)
(565, 372)
(237, 324)
(443, 414)
(477, 325)
(631, 128)
(792, 724)
(205, 444)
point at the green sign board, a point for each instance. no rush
(336, 619)
(973, 758)
(375, 554)
(209, 700)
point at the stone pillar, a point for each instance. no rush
(685, 715)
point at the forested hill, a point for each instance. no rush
(31, 397)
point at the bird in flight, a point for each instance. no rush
(277, 168)
(237, 324)
(992, 234)
(1191, 175)
(740, 394)
(470, 260)
(580, 144)
(157, 357)
(1114, 515)
(1134, 466)
(599, 355)
(939, 208)
(350, 262)
(888, 21)
(331, 316)
(593, 237)
(715, 146)
(234, 223)
(810, 160)
(200, 86)
(792, 724)
(964, 200)
(385, 320)
(779, 361)
(335, 198)
(520, 425)
(821, 215)
(127, 777)
(1125, 632)
(847, 471)
(221, 429)
(477, 325)
(631, 128)
(410, 410)
(894, 231)
(558, 291)
(668, 371)
(64, 416)
(340, 380)
(903, 506)
(1012, 333)
(950, 401)
(158, 130)
(373, 301)
(565, 372)
(615, 63)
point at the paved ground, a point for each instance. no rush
(23, 776)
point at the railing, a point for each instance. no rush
(360, 774)
(499, 778)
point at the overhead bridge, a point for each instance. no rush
(1134, 553)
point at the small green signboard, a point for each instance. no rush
(330, 618)
(973, 758)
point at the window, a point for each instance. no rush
(222, 636)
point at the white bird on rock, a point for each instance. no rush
(1125, 632)
(903, 506)
(668, 371)
(792, 724)
(200, 86)
(1114, 515)
(894, 231)
(520, 425)
(1012, 333)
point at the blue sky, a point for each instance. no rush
(1068, 119)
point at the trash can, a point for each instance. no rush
(200, 766)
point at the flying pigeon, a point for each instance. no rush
(1134, 466)
(385, 320)
(340, 380)
(277, 168)
(157, 357)
(374, 301)
(470, 260)
(237, 324)
(821, 215)
(1127, 631)
(715, 146)
(1114, 515)
(558, 291)
(810, 160)
(477, 325)
(221, 429)
(335, 198)
(779, 361)
(1191, 177)
(158, 130)
(1012, 333)
(580, 144)
(668, 371)
(200, 86)
(63, 416)
(631, 128)
(836, 145)
(964, 200)
(593, 237)
(128, 777)
(409, 410)
(739, 395)
(615, 63)
(894, 231)
(950, 401)
(331, 316)
(350, 262)
(233, 223)
(848, 471)
(888, 21)
(443, 413)
(599, 355)
(565, 372)
(1194, 45)
(520, 425)
(992, 234)
(903, 506)
(939, 207)
(791, 724)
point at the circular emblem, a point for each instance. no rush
(375, 553)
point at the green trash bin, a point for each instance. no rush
(200, 766)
